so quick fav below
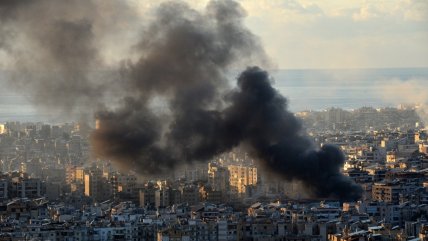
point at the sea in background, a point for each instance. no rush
(305, 89)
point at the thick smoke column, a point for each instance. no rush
(259, 118)
(184, 60)
(185, 56)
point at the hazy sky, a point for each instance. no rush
(335, 33)
(300, 34)
(312, 34)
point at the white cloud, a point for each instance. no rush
(330, 33)
(416, 10)
(406, 10)
(342, 34)
(366, 12)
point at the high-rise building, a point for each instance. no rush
(218, 177)
(124, 185)
(190, 194)
(240, 177)
(147, 195)
(24, 187)
(96, 186)
(70, 174)
(162, 197)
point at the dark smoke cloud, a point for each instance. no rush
(185, 56)
(259, 117)
(184, 59)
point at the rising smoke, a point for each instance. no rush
(185, 58)
(409, 92)
(55, 46)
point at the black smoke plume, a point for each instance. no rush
(55, 46)
(184, 59)
(259, 119)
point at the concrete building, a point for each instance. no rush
(240, 177)
(147, 195)
(123, 185)
(190, 194)
(24, 187)
(218, 177)
(386, 192)
(96, 186)
(162, 197)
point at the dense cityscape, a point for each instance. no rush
(51, 188)
(213, 120)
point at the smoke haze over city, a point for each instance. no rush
(213, 120)
(184, 55)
